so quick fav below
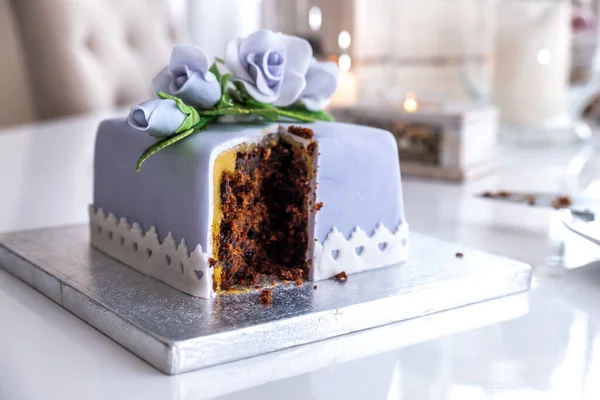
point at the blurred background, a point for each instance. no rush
(525, 71)
(65, 57)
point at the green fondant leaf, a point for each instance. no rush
(242, 91)
(269, 115)
(219, 60)
(298, 115)
(318, 115)
(235, 95)
(323, 116)
(256, 104)
(224, 81)
(215, 70)
(169, 140)
(217, 112)
(225, 100)
(165, 96)
(192, 118)
(303, 116)
(161, 144)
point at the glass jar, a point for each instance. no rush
(544, 78)
(432, 51)
(212, 24)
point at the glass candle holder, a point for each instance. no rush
(544, 74)
(432, 50)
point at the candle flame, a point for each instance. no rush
(410, 105)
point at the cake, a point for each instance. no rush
(221, 205)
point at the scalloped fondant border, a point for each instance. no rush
(167, 262)
(190, 272)
(360, 252)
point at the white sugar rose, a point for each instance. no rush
(271, 66)
(187, 77)
(321, 84)
(158, 118)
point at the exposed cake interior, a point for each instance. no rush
(261, 213)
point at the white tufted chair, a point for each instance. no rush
(16, 105)
(85, 55)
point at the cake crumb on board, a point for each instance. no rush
(297, 274)
(459, 255)
(266, 297)
(341, 277)
(315, 287)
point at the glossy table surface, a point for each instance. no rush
(543, 345)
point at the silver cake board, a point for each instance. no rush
(176, 333)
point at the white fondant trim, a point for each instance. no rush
(166, 262)
(360, 252)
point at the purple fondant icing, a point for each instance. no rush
(358, 178)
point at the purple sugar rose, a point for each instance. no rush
(188, 77)
(321, 84)
(271, 66)
(157, 117)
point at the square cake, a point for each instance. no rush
(241, 206)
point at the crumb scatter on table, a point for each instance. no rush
(561, 202)
(530, 199)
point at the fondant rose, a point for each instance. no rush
(157, 117)
(321, 84)
(188, 77)
(271, 66)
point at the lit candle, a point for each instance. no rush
(347, 90)
(430, 46)
(410, 104)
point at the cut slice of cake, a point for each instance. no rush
(240, 206)
(262, 203)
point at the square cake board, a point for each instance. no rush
(177, 333)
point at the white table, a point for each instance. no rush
(552, 351)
